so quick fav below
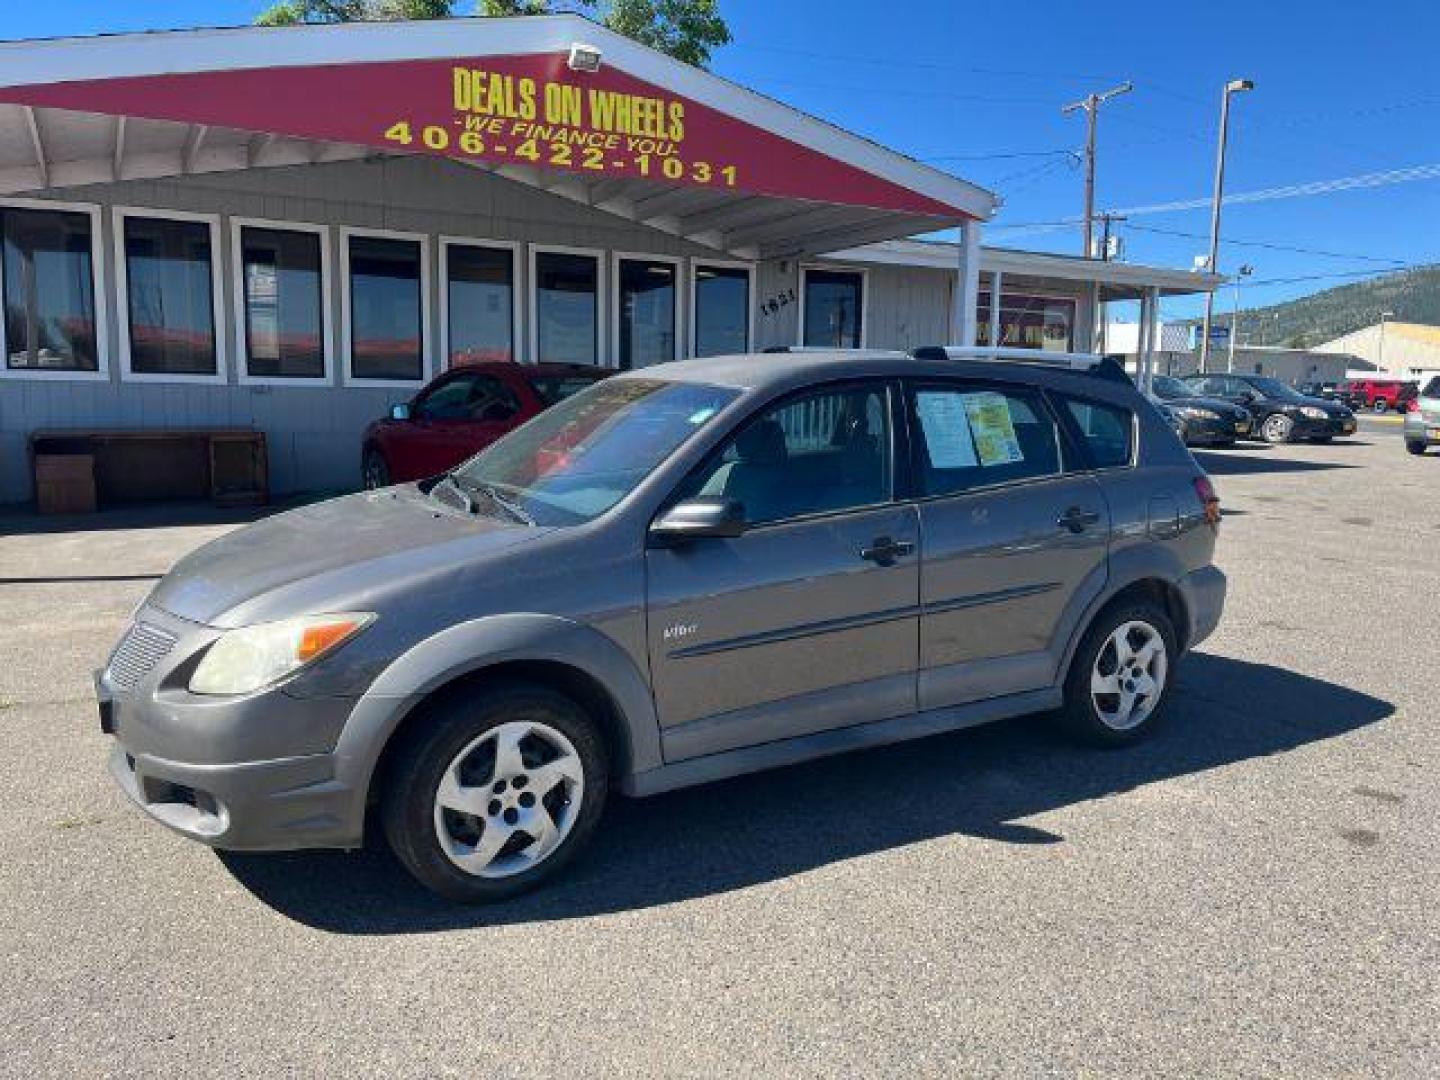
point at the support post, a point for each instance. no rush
(997, 283)
(967, 285)
(1154, 338)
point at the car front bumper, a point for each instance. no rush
(1334, 427)
(1201, 432)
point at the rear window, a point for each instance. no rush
(1108, 431)
(1433, 389)
(553, 389)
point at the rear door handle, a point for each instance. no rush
(885, 551)
(1077, 520)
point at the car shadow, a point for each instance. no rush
(1233, 463)
(983, 783)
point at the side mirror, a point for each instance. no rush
(697, 519)
(400, 412)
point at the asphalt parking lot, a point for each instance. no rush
(1253, 891)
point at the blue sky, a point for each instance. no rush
(1342, 90)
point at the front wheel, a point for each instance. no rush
(496, 792)
(1416, 448)
(1119, 675)
(374, 470)
(1278, 428)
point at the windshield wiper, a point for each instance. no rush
(467, 500)
(514, 509)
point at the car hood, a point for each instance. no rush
(343, 547)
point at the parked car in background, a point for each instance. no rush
(733, 564)
(1202, 421)
(460, 413)
(1422, 418)
(1282, 414)
(1329, 391)
(1381, 394)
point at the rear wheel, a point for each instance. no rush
(1416, 448)
(1277, 428)
(1120, 675)
(496, 792)
(374, 469)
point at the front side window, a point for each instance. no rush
(553, 389)
(567, 308)
(1108, 431)
(283, 292)
(469, 397)
(49, 284)
(821, 453)
(973, 437)
(834, 303)
(170, 297)
(480, 301)
(722, 310)
(387, 339)
(577, 460)
(646, 297)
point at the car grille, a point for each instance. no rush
(142, 647)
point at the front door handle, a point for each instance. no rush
(885, 551)
(1077, 520)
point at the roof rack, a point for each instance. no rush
(1103, 367)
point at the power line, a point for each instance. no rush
(998, 156)
(1267, 245)
(1332, 277)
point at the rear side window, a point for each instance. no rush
(1108, 431)
(973, 437)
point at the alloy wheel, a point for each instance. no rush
(1277, 428)
(509, 799)
(1128, 677)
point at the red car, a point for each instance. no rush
(462, 412)
(1380, 393)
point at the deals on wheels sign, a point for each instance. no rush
(522, 109)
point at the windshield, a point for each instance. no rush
(1168, 387)
(1274, 388)
(575, 461)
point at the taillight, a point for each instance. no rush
(1414, 405)
(1209, 500)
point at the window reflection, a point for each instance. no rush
(567, 317)
(284, 319)
(833, 306)
(647, 312)
(48, 278)
(722, 310)
(386, 338)
(170, 295)
(480, 304)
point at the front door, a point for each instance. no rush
(1015, 545)
(808, 620)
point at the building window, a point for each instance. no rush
(168, 296)
(479, 303)
(722, 309)
(385, 313)
(49, 285)
(567, 307)
(1029, 322)
(282, 302)
(645, 295)
(834, 304)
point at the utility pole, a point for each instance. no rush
(1105, 220)
(1234, 86)
(1240, 275)
(1091, 104)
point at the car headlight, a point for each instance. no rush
(1313, 413)
(246, 659)
(1193, 412)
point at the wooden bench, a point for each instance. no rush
(226, 465)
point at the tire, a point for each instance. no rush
(1416, 448)
(1101, 717)
(1321, 438)
(492, 749)
(374, 470)
(1277, 428)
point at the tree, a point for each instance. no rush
(688, 30)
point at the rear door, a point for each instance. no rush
(808, 621)
(1014, 539)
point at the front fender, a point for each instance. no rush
(486, 642)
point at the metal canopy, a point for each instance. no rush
(750, 177)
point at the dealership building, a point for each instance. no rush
(288, 230)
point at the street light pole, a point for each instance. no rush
(1091, 104)
(1234, 86)
(1244, 272)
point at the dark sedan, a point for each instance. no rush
(1202, 421)
(1282, 414)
